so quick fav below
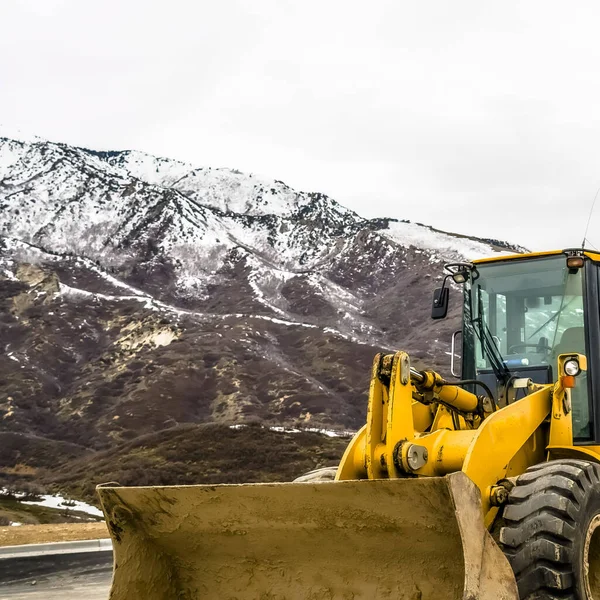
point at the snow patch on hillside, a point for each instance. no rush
(151, 169)
(443, 244)
(327, 432)
(64, 504)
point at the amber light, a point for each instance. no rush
(575, 262)
(568, 381)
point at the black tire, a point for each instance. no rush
(318, 475)
(552, 528)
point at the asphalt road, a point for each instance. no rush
(58, 577)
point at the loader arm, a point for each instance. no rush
(499, 448)
(504, 444)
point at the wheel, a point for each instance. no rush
(318, 475)
(552, 531)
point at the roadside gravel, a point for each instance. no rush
(60, 532)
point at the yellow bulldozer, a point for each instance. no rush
(486, 486)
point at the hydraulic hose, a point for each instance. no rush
(480, 384)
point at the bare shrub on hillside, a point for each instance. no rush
(31, 491)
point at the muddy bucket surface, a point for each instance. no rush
(414, 539)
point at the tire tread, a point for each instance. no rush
(542, 524)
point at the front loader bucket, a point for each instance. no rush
(413, 539)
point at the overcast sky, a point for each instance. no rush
(477, 117)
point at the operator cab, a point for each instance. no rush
(519, 314)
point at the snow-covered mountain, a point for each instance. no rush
(130, 211)
(140, 293)
(99, 203)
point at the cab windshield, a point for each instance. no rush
(523, 314)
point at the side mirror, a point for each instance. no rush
(439, 309)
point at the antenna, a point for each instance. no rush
(589, 219)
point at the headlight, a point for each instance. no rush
(572, 367)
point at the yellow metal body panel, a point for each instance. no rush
(422, 416)
(447, 450)
(353, 464)
(400, 424)
(532, 452)
(443, 420)
(376, 424)
(591, 448)
(499, 439)
(389, 422)
(580, 452)
(490, 259)
(561, 425)
(593, 256)
(529, 255)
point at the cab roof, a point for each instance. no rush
(591, 254)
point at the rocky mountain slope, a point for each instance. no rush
(139, 294)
